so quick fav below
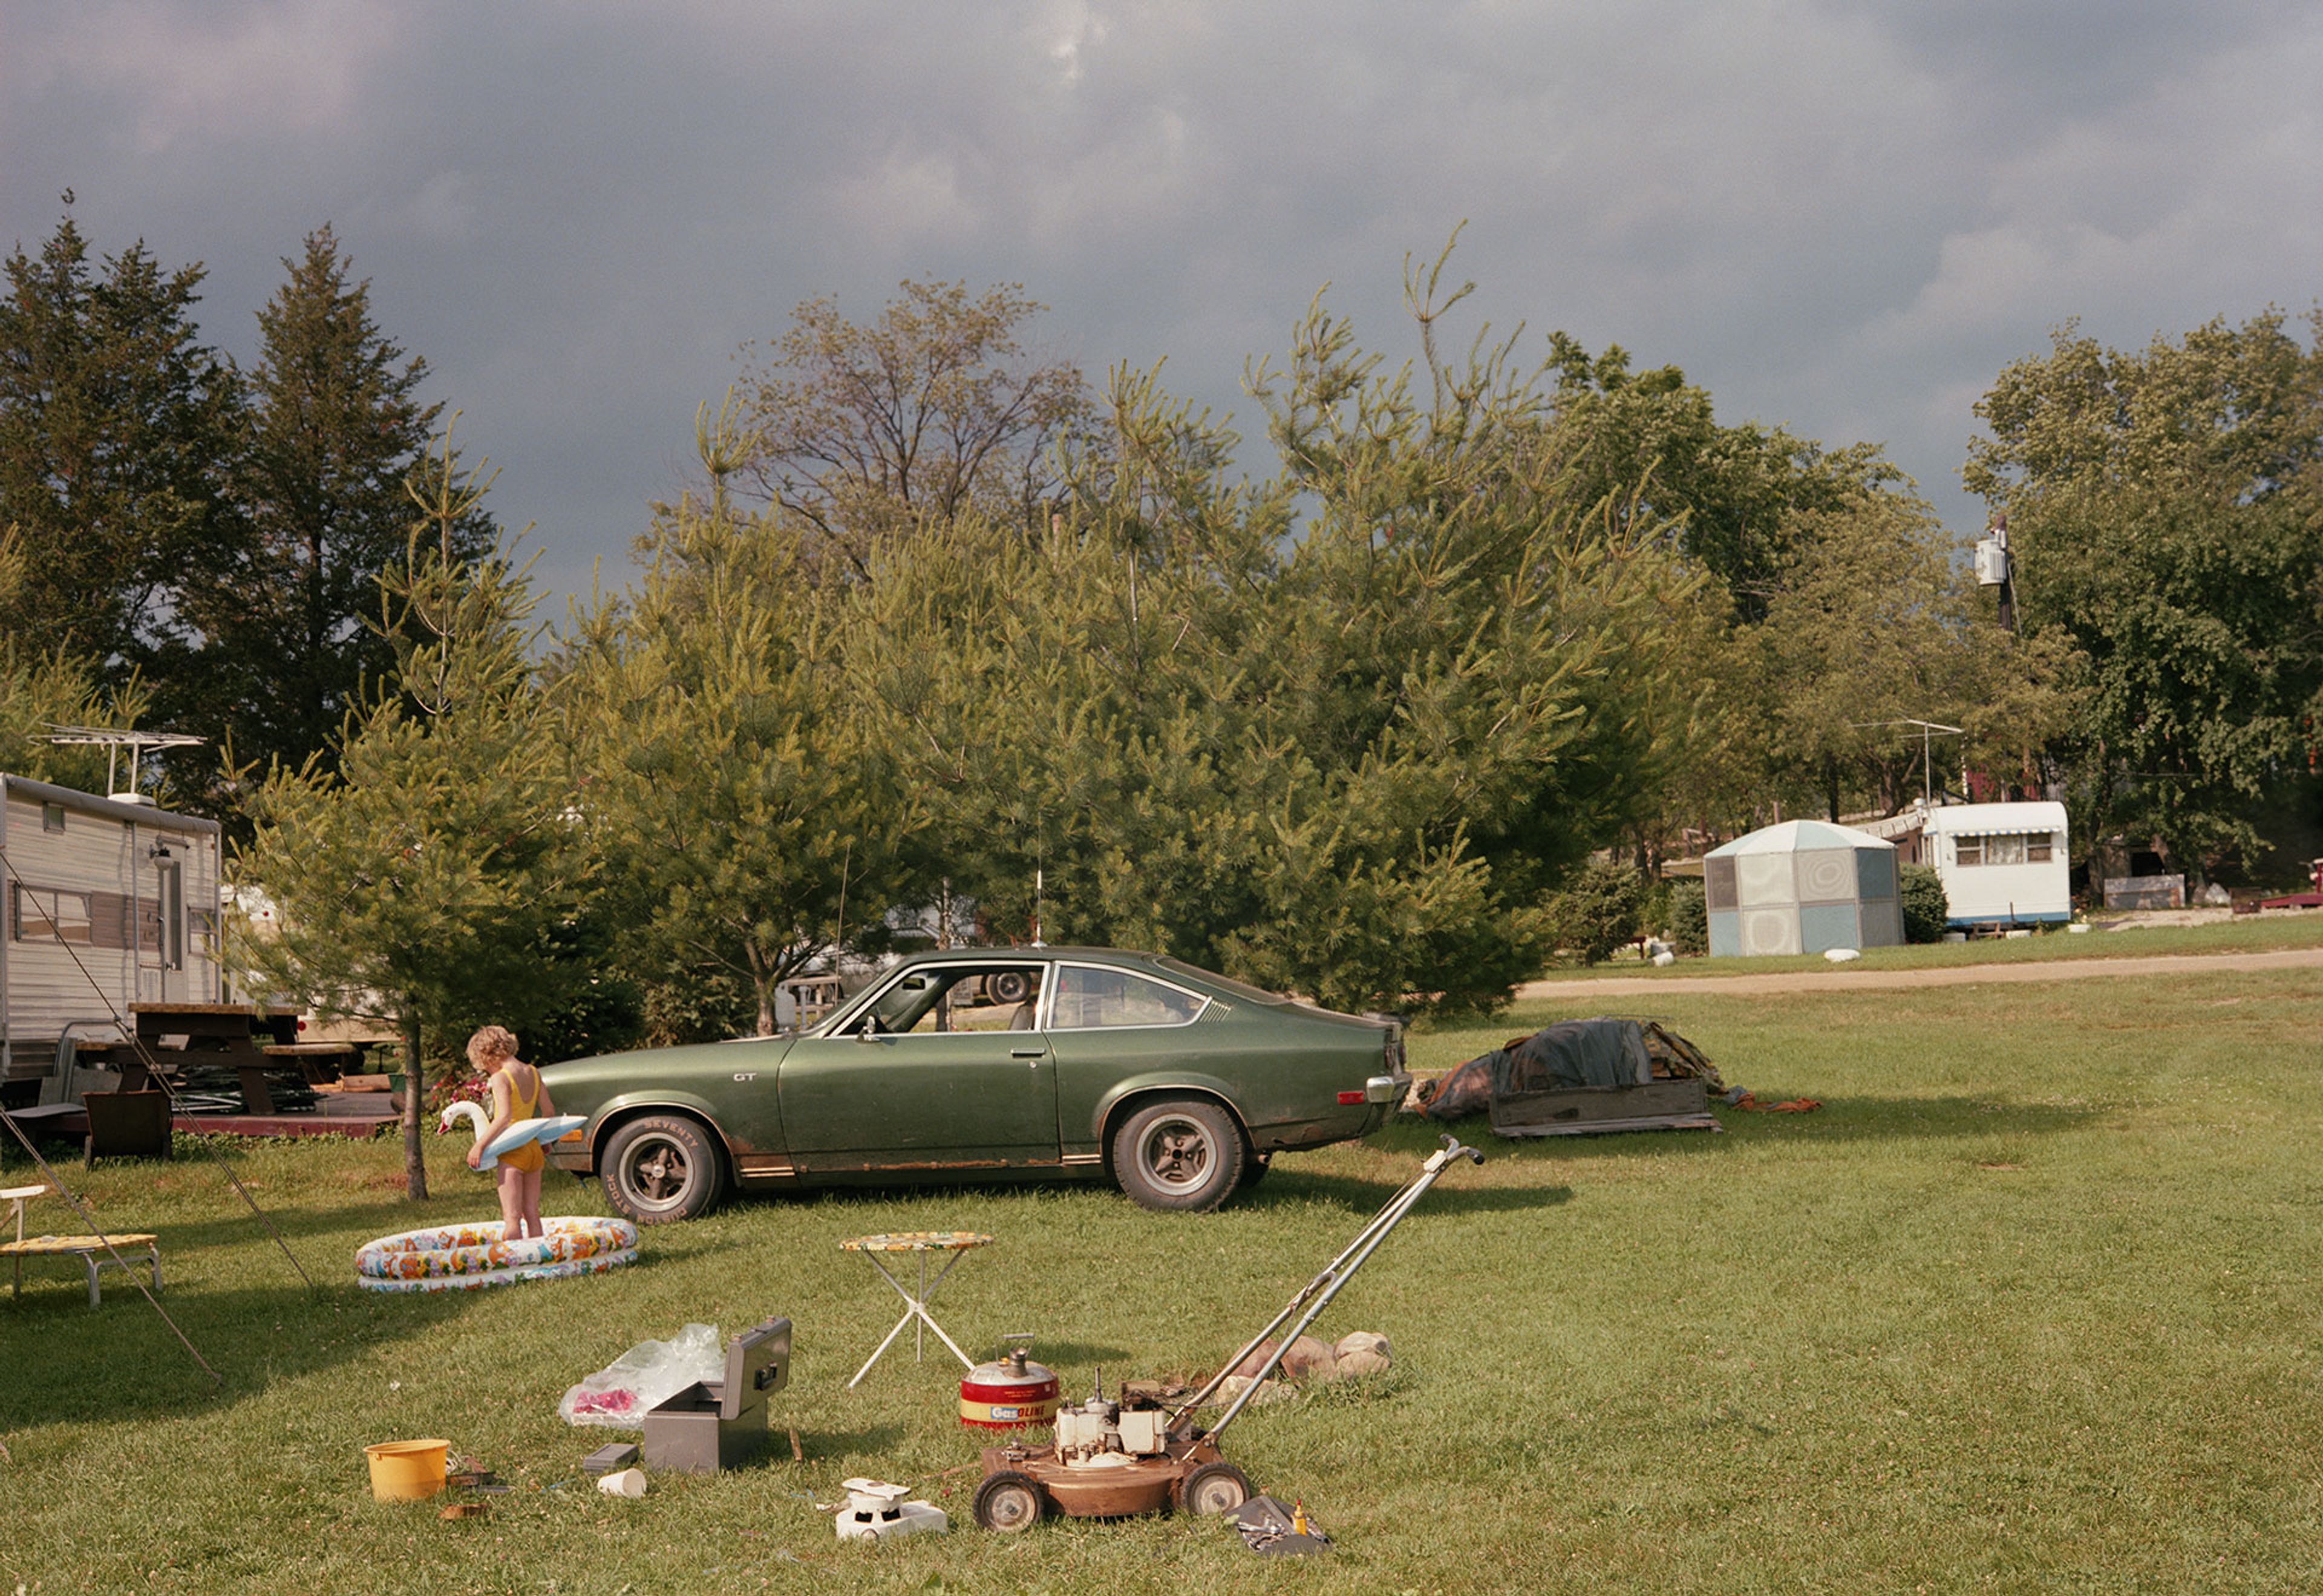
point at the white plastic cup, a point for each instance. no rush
(628, 1482)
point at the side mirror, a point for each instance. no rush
(870, 1029)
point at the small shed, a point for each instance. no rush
(1803, 886)
(108, 901)
(2002, 864)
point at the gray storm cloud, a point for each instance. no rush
(1839, 217)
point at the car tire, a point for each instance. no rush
(1184, 1154)
(1008, 986)
(663, 1167)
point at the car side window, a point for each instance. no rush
(1090, 999)
(958, 997)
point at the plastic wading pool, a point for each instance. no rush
(464, 1256)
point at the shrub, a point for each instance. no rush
(1599, 911)
(1926, 906)
(1689, 918)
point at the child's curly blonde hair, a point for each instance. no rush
(494, 1042)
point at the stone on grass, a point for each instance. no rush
(1362, 1352)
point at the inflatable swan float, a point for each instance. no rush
(554, 1128)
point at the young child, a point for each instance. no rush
(518, 1094)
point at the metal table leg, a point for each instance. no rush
(915, 1313)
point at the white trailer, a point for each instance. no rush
(107, 902)
(2002, 864)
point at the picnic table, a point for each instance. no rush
(252, 1040)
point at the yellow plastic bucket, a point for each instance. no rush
(405, 1471)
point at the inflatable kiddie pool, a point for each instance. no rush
(464, 1256)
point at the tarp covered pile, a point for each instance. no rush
(1599, 1052)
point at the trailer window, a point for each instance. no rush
(52, 817)
(50, 914)
(2021, 847)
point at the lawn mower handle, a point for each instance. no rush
(1316, 1294)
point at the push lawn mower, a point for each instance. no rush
(1114, 1458)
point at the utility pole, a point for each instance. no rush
(1994, 567)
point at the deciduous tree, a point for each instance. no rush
(2166, 509)
(937, 406)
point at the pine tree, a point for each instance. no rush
(424, 881)
(336, 428)
(116, 428)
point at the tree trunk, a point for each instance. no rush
(764, 977)
(415, 1160)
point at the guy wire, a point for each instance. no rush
(154, 1072)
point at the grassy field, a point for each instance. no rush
(2030, 1304)
(2137, 938)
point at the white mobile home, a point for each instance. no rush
(107, 902)
(2002, 864)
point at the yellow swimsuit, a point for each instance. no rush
(531, 1155)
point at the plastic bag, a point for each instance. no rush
(651, 1372)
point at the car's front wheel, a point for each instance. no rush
(663, 1167)
(1180, 1154)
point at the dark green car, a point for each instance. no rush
(1042, 1063)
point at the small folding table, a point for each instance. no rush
(915, 1307)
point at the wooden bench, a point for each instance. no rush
(94, 1252)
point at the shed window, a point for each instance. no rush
(52, 817)
(50, 914)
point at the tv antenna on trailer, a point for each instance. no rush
(113, 742)
(1928, 729)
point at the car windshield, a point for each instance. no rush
(1241, 989)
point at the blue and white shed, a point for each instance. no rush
(1803, 886)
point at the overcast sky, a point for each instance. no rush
(1842, 217)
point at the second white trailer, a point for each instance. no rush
(2002, 864)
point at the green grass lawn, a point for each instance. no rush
(2257, 934)
(2030, 1304)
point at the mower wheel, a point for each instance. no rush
(1254, 1166)
(1010, 1501)
(1213, 1489)
(1182, 1153)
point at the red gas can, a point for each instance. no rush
(1010, 1394)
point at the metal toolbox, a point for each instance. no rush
(713, 1425)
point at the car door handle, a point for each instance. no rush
(1032, 1053)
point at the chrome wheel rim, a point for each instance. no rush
(1176, 1154)
(656, 1173)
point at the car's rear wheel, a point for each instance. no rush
(1180, 1154)
(662, 1167)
